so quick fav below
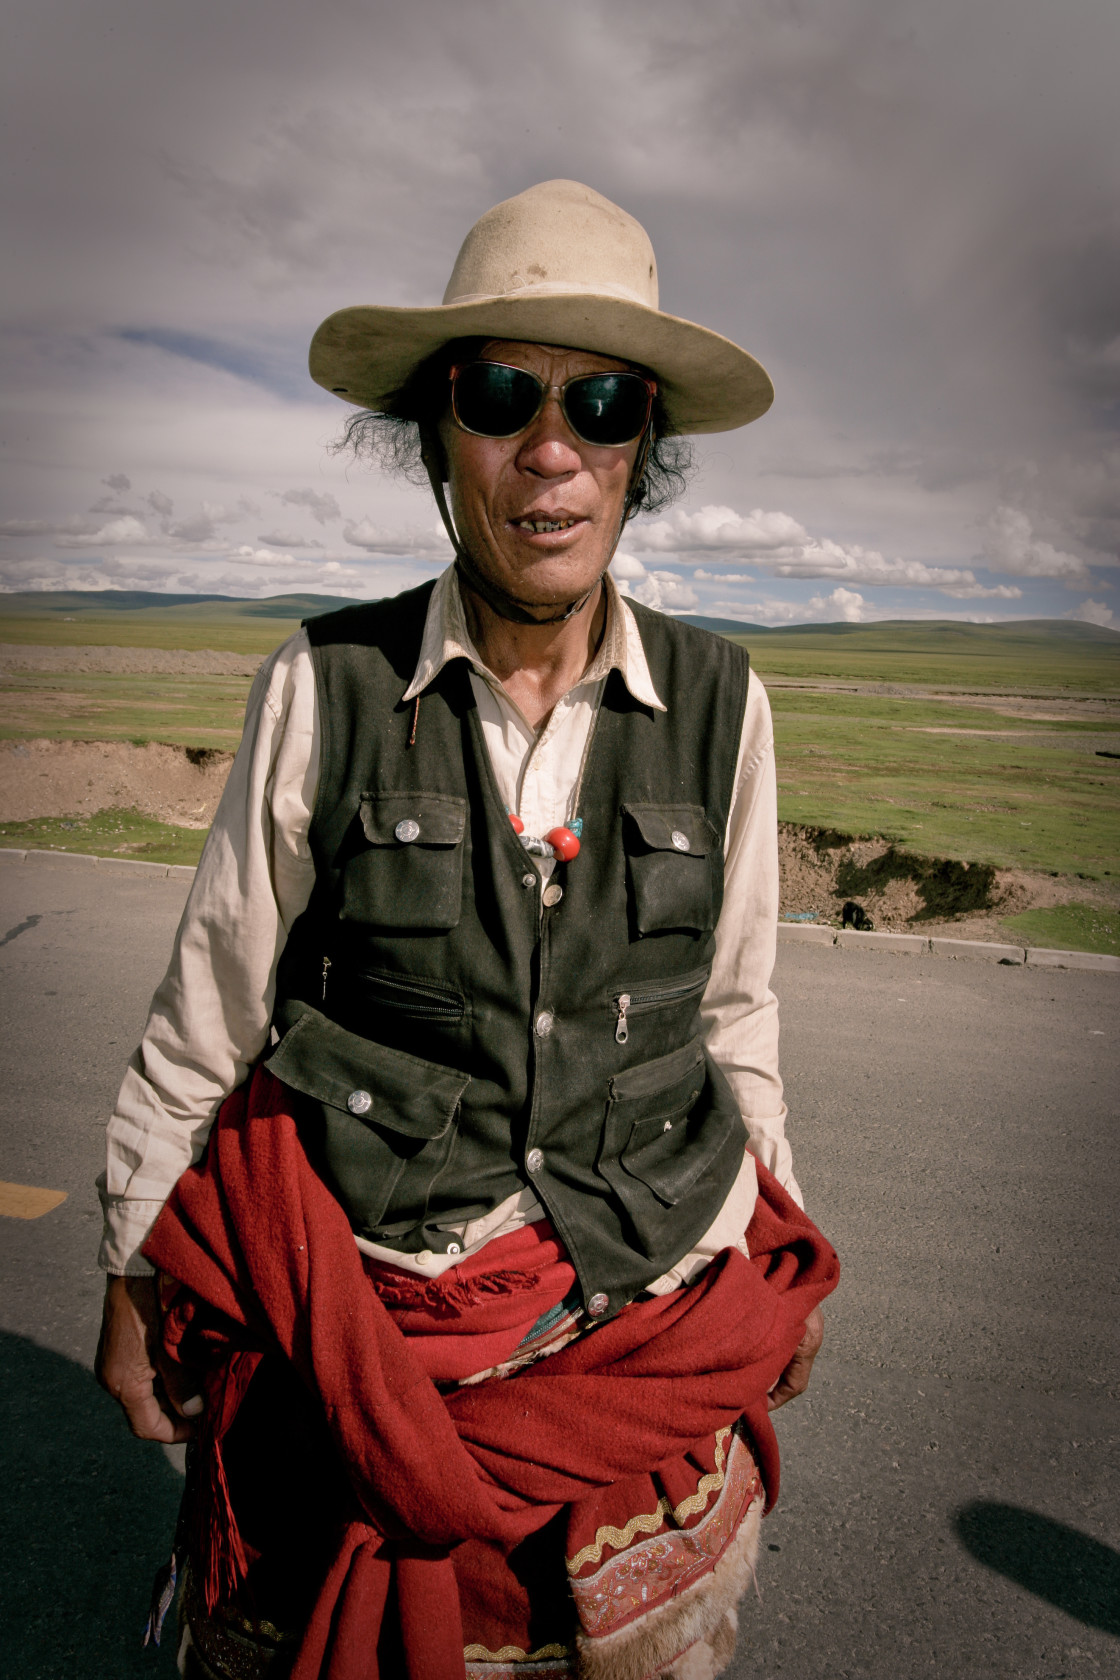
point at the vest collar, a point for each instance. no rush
(446, 637)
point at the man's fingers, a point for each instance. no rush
(794, 1380)
(125, 1365)
(148, 1420)
(180, 1388)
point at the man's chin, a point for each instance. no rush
(537, 592)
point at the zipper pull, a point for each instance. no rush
(326, 970)
(622, 1031)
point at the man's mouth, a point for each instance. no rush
(539, 525)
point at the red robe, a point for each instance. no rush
(266, 1261)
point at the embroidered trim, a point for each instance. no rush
(644, 1578)
(514, 1653)
(649, 1523)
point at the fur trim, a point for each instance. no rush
(689, 1638)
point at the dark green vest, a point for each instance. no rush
(454, 1039)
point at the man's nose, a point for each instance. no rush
(550, 448)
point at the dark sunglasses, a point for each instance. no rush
(493, 400)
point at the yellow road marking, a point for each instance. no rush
(24, 1201)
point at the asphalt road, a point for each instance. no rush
(950, 1489)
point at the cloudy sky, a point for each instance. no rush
(907, 210)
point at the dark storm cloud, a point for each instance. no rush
(909, 211)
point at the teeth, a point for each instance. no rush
(544, 524)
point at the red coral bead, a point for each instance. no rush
(563, 843)
(518, 825)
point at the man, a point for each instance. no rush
(489, 905)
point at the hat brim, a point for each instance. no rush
(707, 384)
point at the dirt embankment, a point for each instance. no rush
(819, 871)
(180, 785)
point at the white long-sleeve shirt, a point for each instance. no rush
(211, 1014)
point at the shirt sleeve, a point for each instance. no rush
(210, 1016)
(739, 1011)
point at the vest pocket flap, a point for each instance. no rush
(672, 828)
(653, 1077)
(413, 819)
(375, 1083)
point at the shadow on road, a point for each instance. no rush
(86, 1517)
(1068, 1569)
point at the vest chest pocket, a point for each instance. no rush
(409, 874)
(669, 867)
(377, 1113)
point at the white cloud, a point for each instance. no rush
(843, 604)
(161, 504)
(1011, 546)
(711, 529)
(199, 528)
(247, 555)
(319, 503)
(288, 539)
(777, 544)
(112, 534)
(624, 567)
(406, 541)
(26, 528)
(661, 590)
(1092, 612)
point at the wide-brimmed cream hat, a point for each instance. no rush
(558, 264)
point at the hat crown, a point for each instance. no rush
(557, 237)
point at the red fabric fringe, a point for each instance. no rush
(254, 1235)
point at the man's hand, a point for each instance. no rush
(157, 1396)
(794, 1380)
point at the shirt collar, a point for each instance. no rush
(446, 637)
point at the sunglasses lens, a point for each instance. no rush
(607, 408)
(493, 400)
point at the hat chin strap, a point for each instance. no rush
(507, 606)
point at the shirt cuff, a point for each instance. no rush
(128, 1225)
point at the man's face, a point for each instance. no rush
(501, 488)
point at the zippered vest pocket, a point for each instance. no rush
(655, 995)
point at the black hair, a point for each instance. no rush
(393, 437)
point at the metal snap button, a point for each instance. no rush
(598, 1305)
(544, 1023)
(553, 893)
(668, 1126)
(409, 829)
(359, 1102)
(535, 1160)
(530, 878)
(680, 841)
(454, 1248)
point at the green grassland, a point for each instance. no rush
(938, 777)
(1032, 796)
(127, 618)
(1028, 657)
(1069, 927)
(107, 834)
(194, 711)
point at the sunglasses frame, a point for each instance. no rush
(560, 392)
